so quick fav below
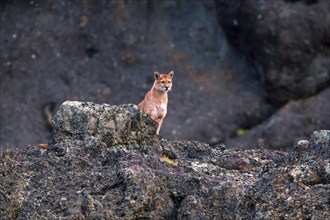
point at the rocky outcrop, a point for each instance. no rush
(96, 168)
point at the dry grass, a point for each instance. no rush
(168, 160)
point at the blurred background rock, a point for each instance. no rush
(247, 73)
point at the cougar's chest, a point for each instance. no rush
(161, 110)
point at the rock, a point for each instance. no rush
(87, 122)
(286, 41)
(321, 137)
(115, 177)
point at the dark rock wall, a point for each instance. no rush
(107, 51)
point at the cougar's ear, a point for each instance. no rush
(171, 74)
(156, 74)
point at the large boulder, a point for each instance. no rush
(286, 40)
(115, 177)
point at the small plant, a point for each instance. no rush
(7, 162)
(241, 132)
(12, 184)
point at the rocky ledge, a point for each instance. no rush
(106, 162)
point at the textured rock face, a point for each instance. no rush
(85, 175)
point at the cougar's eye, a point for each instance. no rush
(162, 81)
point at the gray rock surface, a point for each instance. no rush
(85, 175)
